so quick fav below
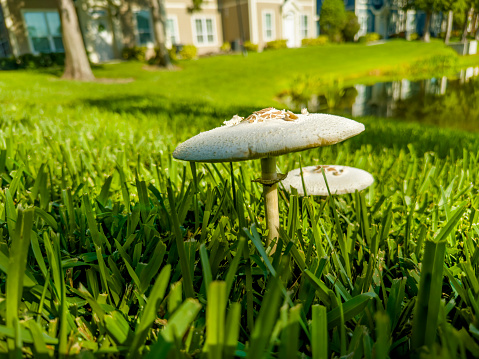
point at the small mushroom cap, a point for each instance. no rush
(266, 133)
(341, 180)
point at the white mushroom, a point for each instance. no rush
(341, 180)
(266, 134)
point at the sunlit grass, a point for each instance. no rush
(129, 256)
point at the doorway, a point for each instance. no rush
(288, 29)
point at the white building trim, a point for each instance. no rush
(253, 21)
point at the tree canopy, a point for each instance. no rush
(332, 18)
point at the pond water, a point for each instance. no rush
(447, 102)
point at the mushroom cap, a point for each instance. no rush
(266, 133)
(341, 180)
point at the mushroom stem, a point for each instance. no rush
(268, 172)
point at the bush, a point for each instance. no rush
(8, 63)
(414, 36)
(137, 53)
(351, 26)
(249, 46)
(226, 47)
(276, 44)
(318, 41)
(188, 52)
(370, 37)
(172, 53)
(332, 19)
(30, 61)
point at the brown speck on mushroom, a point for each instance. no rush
(289, 116)
(335, 172)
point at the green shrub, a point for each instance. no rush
(276, 44)
(249, 46)
(414, 36)
(30, 61)
(188, 52)
(226, 47)
(351, 26)
(8, 63)
(317, 41)
(137, 53)
(173, 53)
(370, 37)
(333, 19)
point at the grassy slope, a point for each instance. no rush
(227, 80)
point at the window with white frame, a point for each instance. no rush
(268, 26)
(144, 27)
(204, 31)
(172, 36)
(303, 26)
(44, 31)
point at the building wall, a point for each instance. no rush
(186, 23)
(275, 10)
(104, 26)
(229, 11)
(309, 8)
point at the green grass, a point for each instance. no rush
(127, 254)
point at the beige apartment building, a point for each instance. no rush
(268, 20)
(33, 26)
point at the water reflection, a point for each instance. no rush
(441, 101)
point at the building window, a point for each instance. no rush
(144, 28)
(304, 24)
(268, 26)
(205, 34)
(172, 37)
(44, 31)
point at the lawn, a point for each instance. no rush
(110, 248)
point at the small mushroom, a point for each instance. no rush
(341, 180)
(264, 135)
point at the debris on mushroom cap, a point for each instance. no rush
(269, 113)
(263, 115)
(341, 180)
(234, 120)
(304, 111)
(270, 137)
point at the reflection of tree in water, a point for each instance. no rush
(459, 108)
(319, 94)
(425, 101)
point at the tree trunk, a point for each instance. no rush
(474, 17)
(476, 26)
(116, 50)
(450, 18)
(77, 66)
(427, 35)
(466, 25)
(159, 28)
